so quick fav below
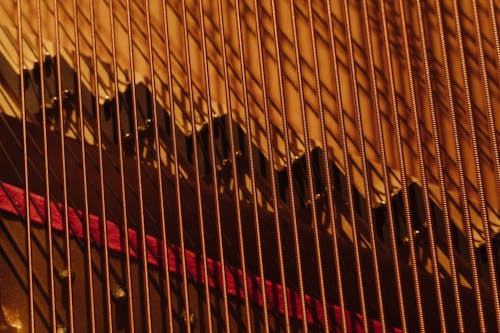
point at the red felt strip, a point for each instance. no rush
(12, 201)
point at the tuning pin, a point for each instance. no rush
(36, 72)
(416, 234)
(317, 197)
(146, 130)
(68, 100)
(26, 77)
(47, 64)
(107, 107)
(128, 143)
(51, 109)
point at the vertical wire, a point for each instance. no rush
(31, 299)
(252, 167)
(442, 184)
(233, 158)
(128, 274)
(53, 318)
(383, 157)
(423, 172)
(326, 165)
(144, 253)
(475, 148)
(307, 143)
(458, 151)
(64, 176)
(496, 38)
(491, 122)
(298, 255)
(158, 161)
(199, 199)
(495, 30)
(270, 149)
(402, 166)
(352, 213)
(326, 162)
(88, 237)
(490, 254)
(252, 170)
(215, 182)
(425, 185)
(364, 165)
(176, 168)
(95, 79)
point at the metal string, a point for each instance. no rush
(364, 164)
(88, 237)
(144, 255)
(348, 174)
(490, 254)
(270, 149)
(107, 285)
(199, 197)
(128, 274)
(307, 144)
(293, 209)
(31, 300)
(234, 163)
(385, 168)
(52, 292)
(64, 176)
